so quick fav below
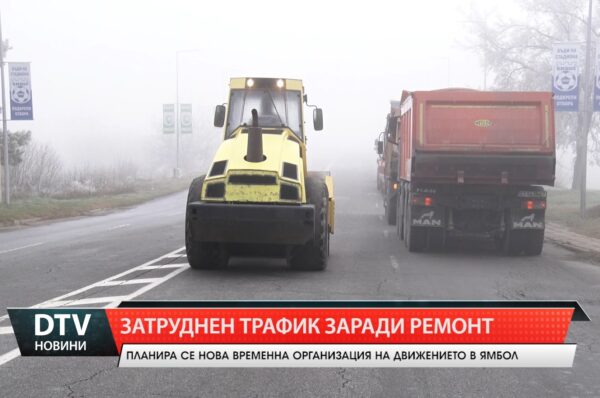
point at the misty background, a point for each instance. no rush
(101, 70)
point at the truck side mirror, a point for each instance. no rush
(219, 116)
(379, 147)
(318, 119)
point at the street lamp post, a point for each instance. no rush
(6, 196)
(176, 173)
(587, 113)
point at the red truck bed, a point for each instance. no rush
(467, 136)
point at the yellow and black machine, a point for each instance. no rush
(258, 199)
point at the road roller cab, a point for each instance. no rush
(257, 198)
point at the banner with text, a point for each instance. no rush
(565, 76)
(168, 118)
(307, 334)
(19, 77)
(185, 116)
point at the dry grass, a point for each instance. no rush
(42, 208)
(563, 208)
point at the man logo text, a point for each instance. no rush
(528, 222)
(427, 219)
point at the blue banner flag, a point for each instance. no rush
(21, 106)
(565, 76)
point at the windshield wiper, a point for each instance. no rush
(275, 107)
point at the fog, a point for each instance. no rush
(101, 70)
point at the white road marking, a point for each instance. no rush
(93, 300)
(177, 265)
(148, 287)
(118, 227)
(130, 282)
(22, 247)
(6, 330)
(112, 278)
(176, 214)
(113, 301)
(394, 262)
(9, 356)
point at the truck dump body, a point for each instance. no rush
(469, 167)
(466, 136)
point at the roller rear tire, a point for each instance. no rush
(313, 255)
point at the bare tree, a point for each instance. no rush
(518, 51)
(39, 173)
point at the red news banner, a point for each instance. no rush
(339, 326)
(311, 334)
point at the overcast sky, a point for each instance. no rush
(101, 70)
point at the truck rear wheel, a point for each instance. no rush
(391, 209)
(436, 239)
(535, 242)
(415, 238)
(515, 241)
(399, 218)
(528, 241)
(201, 255)
(313, 255)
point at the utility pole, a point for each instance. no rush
(176, 173)
(6, 196)
(587, 109)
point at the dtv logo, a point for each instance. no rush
(44, 323)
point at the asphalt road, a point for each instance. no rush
(40, 264)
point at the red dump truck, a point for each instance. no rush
(387, 161)
(470, 165)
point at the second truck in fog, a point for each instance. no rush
(466, 163)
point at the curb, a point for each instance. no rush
(560, 235)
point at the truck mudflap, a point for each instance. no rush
(252, 223)
(527, 219)
(423, 216)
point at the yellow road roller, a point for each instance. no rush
(258, 197)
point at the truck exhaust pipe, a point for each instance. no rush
(254, 152)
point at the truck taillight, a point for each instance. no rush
(533, 204)
(422, 200)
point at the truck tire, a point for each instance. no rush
(535, 242)
(514, 242)
(391, 208)
(400, 215)
(415, 238)
(201, 255)
(436, 239)
(313, 255)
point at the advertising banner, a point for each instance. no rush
(185, 118)
(565, 76)
(19, 77)
(168, 118)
